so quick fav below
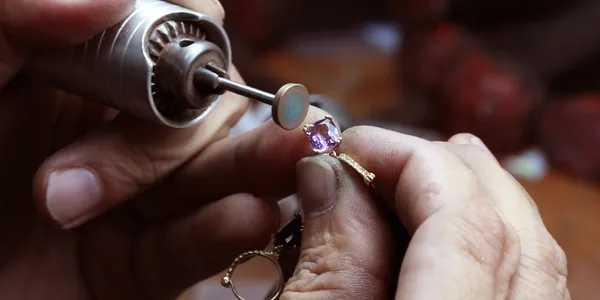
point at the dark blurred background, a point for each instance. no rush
(523, 75)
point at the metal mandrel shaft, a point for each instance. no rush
(289, 105)
(246, 91)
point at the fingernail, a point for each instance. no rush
(71, 195)
(317, 186)
(478, 142)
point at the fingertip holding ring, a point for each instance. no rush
(325, 138)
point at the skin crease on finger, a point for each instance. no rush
(42, 262)
(383, 152)
(541, 256)
(539, 261)
(444, 203)
(126, 159)
(379, 149)
(449, 258)
(233, 160)
(346, 248)
(48, 19)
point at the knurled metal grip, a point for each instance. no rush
(144, 65)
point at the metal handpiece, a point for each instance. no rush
(144, 65)
(164, 63)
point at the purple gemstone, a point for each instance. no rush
(323, 135)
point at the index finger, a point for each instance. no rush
(261, 162)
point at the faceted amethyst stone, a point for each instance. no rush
(323, 135)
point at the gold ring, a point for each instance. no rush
(287, 238)
(273, 256)
(325, 138)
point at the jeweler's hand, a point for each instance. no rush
(476, 234)
(86, 160)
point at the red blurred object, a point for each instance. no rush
(429, 54)
(471, 91)
(569, 133)
(490, 100)
(249, 20)
(419, 10)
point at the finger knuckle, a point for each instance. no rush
(475, 149)
(463, 136)
(561, 268)
(526, 196)
(488, 240)
(140, 165)
(470, 176)
(545, 263)
(470, 153)
(561, 259)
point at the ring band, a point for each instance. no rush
(367, 176)
(273, 257)
(287, 238)
(324, 137)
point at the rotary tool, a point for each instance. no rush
(163, 63)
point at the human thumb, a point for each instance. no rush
(346, 250)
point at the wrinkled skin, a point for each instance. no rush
(142, 216)
(475, 232)
(123, 254)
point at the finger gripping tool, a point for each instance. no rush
(163, 63)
